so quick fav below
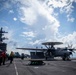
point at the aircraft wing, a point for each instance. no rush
(33, 49)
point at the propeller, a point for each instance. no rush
(71, 48)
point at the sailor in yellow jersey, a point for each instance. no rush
(11, 56)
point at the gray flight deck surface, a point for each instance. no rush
(20, 67)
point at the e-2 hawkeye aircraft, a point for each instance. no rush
(50, 51)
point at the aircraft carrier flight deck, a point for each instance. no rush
(21, 67)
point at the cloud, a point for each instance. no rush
(10, 40)
(60, 3)
(70, 19)
(65, 6)
(36, 42)
(29, 34)
(34, 13)
(41, 18)
(68, 39)
(4, 4)
(8, 35)
(11, 11)
(27, 16)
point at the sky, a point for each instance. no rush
(31, 22)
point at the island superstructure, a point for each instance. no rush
(3, 45)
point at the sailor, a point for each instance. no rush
(3, 57)
(11, 57)
(22, 56)
(0, 57)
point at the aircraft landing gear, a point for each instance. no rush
(66, 58)
(63, 58)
